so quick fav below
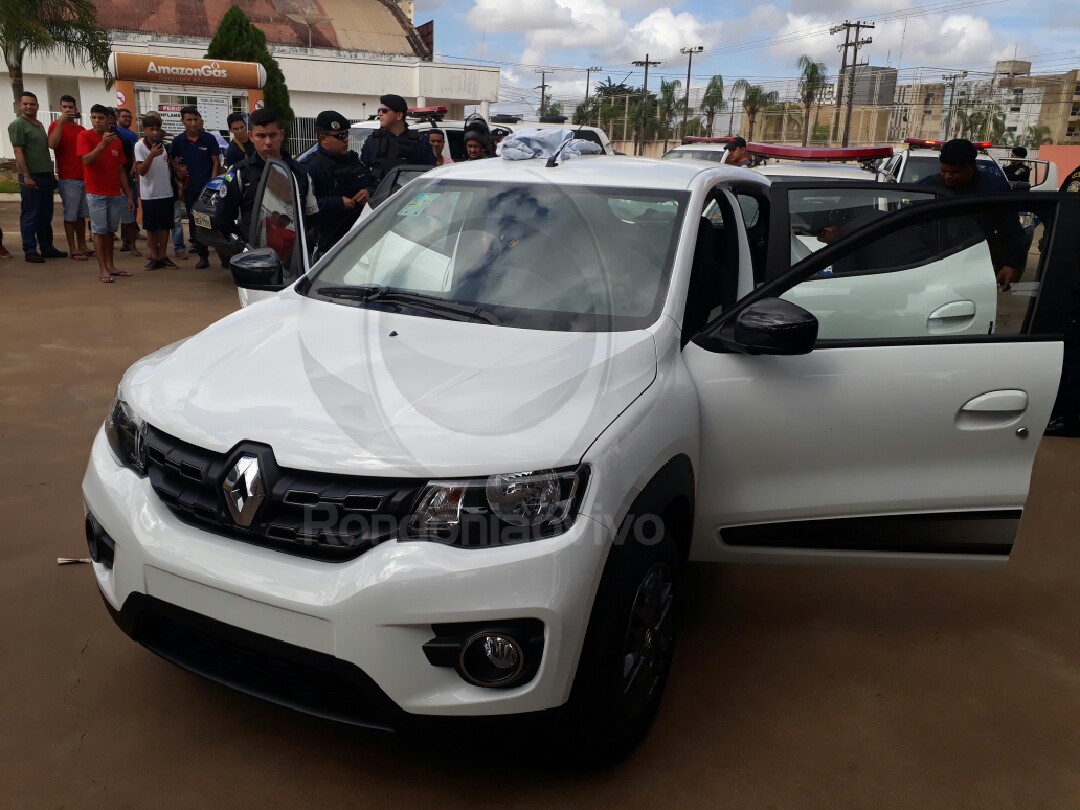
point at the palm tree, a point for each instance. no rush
(812, 82)
(712, 102)
(667, 108)
(42, 26)
(755, 98)
(1036, 136)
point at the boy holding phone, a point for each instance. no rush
(156, 190)
(63, 138)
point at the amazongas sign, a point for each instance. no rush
(141, 67)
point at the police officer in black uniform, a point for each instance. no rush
(337, 178)
(1016, 170)
(242, 180)
(393, 143)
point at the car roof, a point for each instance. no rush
(838, 171)
(937, 153)
(699, 147)
(598, 170)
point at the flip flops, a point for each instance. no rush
(78, 257)
(106, 279)
(122, 273)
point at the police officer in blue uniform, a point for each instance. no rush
(393, 144)
(338, 179)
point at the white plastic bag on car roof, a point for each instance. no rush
(528, 144)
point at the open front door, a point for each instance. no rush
(909, 430)
(277, 222)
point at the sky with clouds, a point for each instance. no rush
(760, 43)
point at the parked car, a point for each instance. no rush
(458, 467)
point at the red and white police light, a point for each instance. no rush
(427, 112)
(819, 153)
(930, 143)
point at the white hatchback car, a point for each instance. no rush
(457, 469)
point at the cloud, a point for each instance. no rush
(501, 15)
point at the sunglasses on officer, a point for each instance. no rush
(341, 136)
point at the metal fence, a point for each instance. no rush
(302, 136)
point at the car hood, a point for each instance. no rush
(341, 389)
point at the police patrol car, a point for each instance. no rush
(458, 468)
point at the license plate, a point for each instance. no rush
(201, 220)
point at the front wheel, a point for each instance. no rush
(627, 652)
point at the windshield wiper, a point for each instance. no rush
(427, 303)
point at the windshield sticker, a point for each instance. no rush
(417, 204)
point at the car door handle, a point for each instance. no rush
(993, 409)
(954, 316)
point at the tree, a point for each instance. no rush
(667, 108)
(1035, 136)
(239, 40)
(550, 108)
(755, 98)
(712, 102)
(812, 83)
(68, 27)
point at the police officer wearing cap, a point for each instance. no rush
(393, 143)
(736, 152)
(337, 178)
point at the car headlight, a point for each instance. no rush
(126, 432)
(498, 510)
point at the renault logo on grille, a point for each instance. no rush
(244, 490)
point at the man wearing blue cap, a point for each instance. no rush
(337, 178)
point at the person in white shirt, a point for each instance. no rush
(157, 191)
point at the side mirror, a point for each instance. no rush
(1019, 185)
(259, 269)
(768, 326)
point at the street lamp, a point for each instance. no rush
(690, 60)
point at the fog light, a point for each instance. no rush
(491, 659)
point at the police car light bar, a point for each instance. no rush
(819, 153)
(928, 142)
(935, 144)
(426, 112)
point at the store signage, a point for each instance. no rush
(141, 67)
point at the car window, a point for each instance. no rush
(819, 216)
(535, 255)
(276, 219)
(934, 278)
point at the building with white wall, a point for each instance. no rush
(335, 54)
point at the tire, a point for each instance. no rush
(627, 652)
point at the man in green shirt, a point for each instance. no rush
(36, 181)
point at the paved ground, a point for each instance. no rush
(792, 688)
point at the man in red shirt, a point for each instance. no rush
(63, 135)
(107, 189)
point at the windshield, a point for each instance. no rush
(716, 155)
(536, 256)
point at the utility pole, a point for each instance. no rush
(542, 88)
(952, 79)
(588, 72)
(858, 26)
(838, 97)
(640, 149)
(731, 114)
(690, 60)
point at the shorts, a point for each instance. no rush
(157, 215)
(127, 216)
(73, 198)
(105, 212)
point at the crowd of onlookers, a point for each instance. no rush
(105, 174)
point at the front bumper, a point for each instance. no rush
(373, 614)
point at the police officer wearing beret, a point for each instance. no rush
(242, 180)
(393, 144)
(337, 178)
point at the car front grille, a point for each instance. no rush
(317, 515)
(301, 679)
